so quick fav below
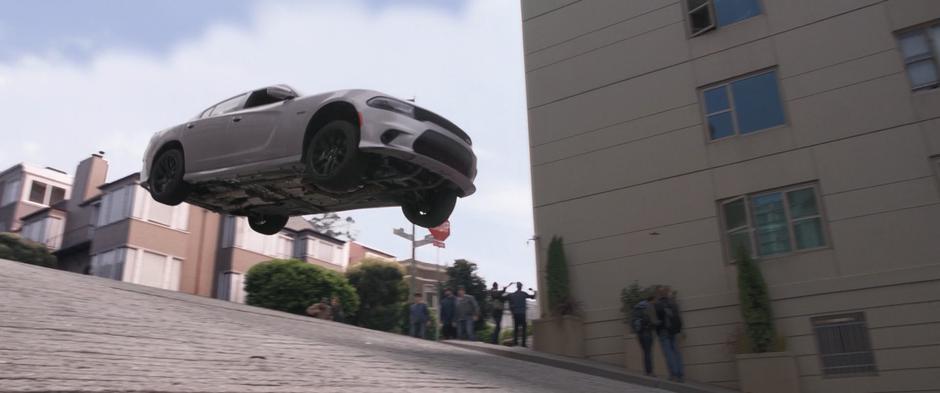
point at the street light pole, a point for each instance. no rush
(428, 239)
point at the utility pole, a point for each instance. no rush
(428, 239)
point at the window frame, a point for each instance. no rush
(731, 106)
(45, 192)
(240, 99)
(817, 323)
(752, 230)
(933, 55)
(713, 16)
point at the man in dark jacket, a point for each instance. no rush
(518, 307)
(497, 301)
(418, 317)
(670, 325)
(643, 322)
(448, 309)
(468, 312)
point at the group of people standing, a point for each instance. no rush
(658, 313)
(459, 313)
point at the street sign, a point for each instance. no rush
(439, 244)
(441, 232)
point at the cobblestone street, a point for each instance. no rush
(65, 332)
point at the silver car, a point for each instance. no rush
(271, 153)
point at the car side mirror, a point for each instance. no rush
(280, 93)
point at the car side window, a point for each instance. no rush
(205, 113)
(260, 98)
(230, 105)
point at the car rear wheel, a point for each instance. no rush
(267, 224)
(430, 208)
(166, 178)
(332, 157)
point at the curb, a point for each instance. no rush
(588, 367)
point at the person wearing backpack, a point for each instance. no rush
(643, 321)
(669, 327)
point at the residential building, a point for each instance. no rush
(666, 134)
(428, 276)
(25, 189)
(358, 251)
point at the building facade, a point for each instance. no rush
(26, 189)
(665, 135)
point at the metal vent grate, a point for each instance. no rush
(844, 346)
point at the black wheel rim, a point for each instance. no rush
(165, 173)
(329, 153)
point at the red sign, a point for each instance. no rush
(441, 232)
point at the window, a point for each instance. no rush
(37, 193)
(57, 195)
(921, 51)
(152, 269)
(743, 106)
(147, 209)
(773, 223)
(232, 287)
(275, 246)
(110, 264)
(705, 15)
(844, 346)
(47, 231)
(116, 205)
(11, 192)
(230, 105)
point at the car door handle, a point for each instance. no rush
(237, 119)
(190, 125)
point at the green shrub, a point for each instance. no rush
(629, 297)
(381, 291)
(292, 286)
(16, 248)
(755, 304)
(560, 301)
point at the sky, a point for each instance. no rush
(79, 77)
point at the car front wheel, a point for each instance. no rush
(267, 224)
(332, 157)
(166, 178)
(430, 208)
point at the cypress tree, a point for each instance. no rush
(559, 295)
(755, 303)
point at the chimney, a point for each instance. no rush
(91, 173)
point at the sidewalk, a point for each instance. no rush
(597, 369)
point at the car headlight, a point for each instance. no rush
(391, 104)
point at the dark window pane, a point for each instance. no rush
(802, 203)
(770, 220)
(808, 234)
(38, 192)
(716, 99)
(720, 125)
(693, 4)
(58, 194)
(735, 214)
(730, 11)
(922, 73)
(737, 240)
(757, 102)
(701, 20)
(914, 44)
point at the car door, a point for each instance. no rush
(255, 127)
(205, 141)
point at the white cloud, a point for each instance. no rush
(466, 66)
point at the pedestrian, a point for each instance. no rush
(321, 310)
(497, 304)
(418, 317)
(518, 308)
(468, 312)
(670, 325)
(447, 312)
(336, 308)
(643, 321)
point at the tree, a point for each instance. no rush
(331, 224)
(463, 274)
(629, 297)
(292, 285)
(16, 248)
(755, 303)
(560, 301)
(382, 291)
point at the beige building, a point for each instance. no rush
(665, 133)
(116, 230)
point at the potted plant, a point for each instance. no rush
(763, 364)
(561, 332)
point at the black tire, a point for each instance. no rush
(267, 224)
(166, 178)
(332, 158)
(431, 208)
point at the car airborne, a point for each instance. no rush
(270, 153)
